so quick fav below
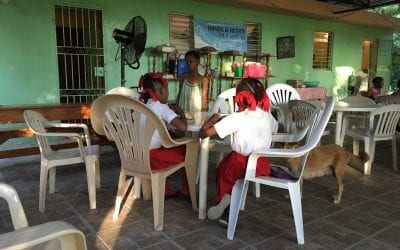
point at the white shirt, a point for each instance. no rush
(165, 113)
(251, 130)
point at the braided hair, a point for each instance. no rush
(251, 93)
(148, 82)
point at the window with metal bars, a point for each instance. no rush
(253, 40)
(79, 35)
(181, 31)
(322, 53)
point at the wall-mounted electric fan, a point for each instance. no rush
(132, 41)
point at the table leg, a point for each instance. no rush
(203, 164)
(339, 118)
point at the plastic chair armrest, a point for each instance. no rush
(286, 137)
(69, 236)
(360, 117)
(60, 134)
(74, 125)
(272, 152)
(14, 203)
(182, 141)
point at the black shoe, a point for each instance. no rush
(224, 220)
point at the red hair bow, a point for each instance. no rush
(153, 76)
(245, 99)
(150, 93)
(264, 103)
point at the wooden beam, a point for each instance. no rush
(314, 10)
(369, 6)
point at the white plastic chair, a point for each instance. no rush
(124, 124)
(88, 154)
(50, 235)
(382, 127)
(125, 91)
(281, 93)
(388, 99)
(357, 99)
(224, 104)
(301, 112)
(317, 124)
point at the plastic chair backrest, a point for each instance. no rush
(18, 217)
(357, 99)
(131, 136)
(385, 120)
(388, 99)
(282, 93)
(317, 131)
(225, 103)
(49, 235)
(38, 123)
(102, 104)
(301, 111)
(317, 124)
(124, 91)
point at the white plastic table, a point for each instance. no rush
(341, 107)
(203, 165)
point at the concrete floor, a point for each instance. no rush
(367, 218)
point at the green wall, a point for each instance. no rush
(28, 62)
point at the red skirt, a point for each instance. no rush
(233, 168)
(161, 158)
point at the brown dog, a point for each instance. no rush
(323, 159)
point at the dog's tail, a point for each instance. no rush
(357, 161)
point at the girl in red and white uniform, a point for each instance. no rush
(251, 128)
(155, 96)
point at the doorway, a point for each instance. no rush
(79, 35)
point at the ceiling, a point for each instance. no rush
(346, 11)
(355, 5)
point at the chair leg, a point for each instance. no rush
(120, 193)
(91, 162)
(191, 180)
(52, 179)
(370, 150)
(256, 190)
(146, 186)
(43, 187)
(394, 153)
(97, 173)
(238, 193)
(356, 146)
(295, 199)
(158, 191)
(243, 201)
(137, 182)
(343, 132)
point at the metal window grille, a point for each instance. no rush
(253, 40)
(79, 37)
(322, 53)
(181, 31)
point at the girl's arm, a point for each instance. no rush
(208, 129)
(204, 97)
(180, 121)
